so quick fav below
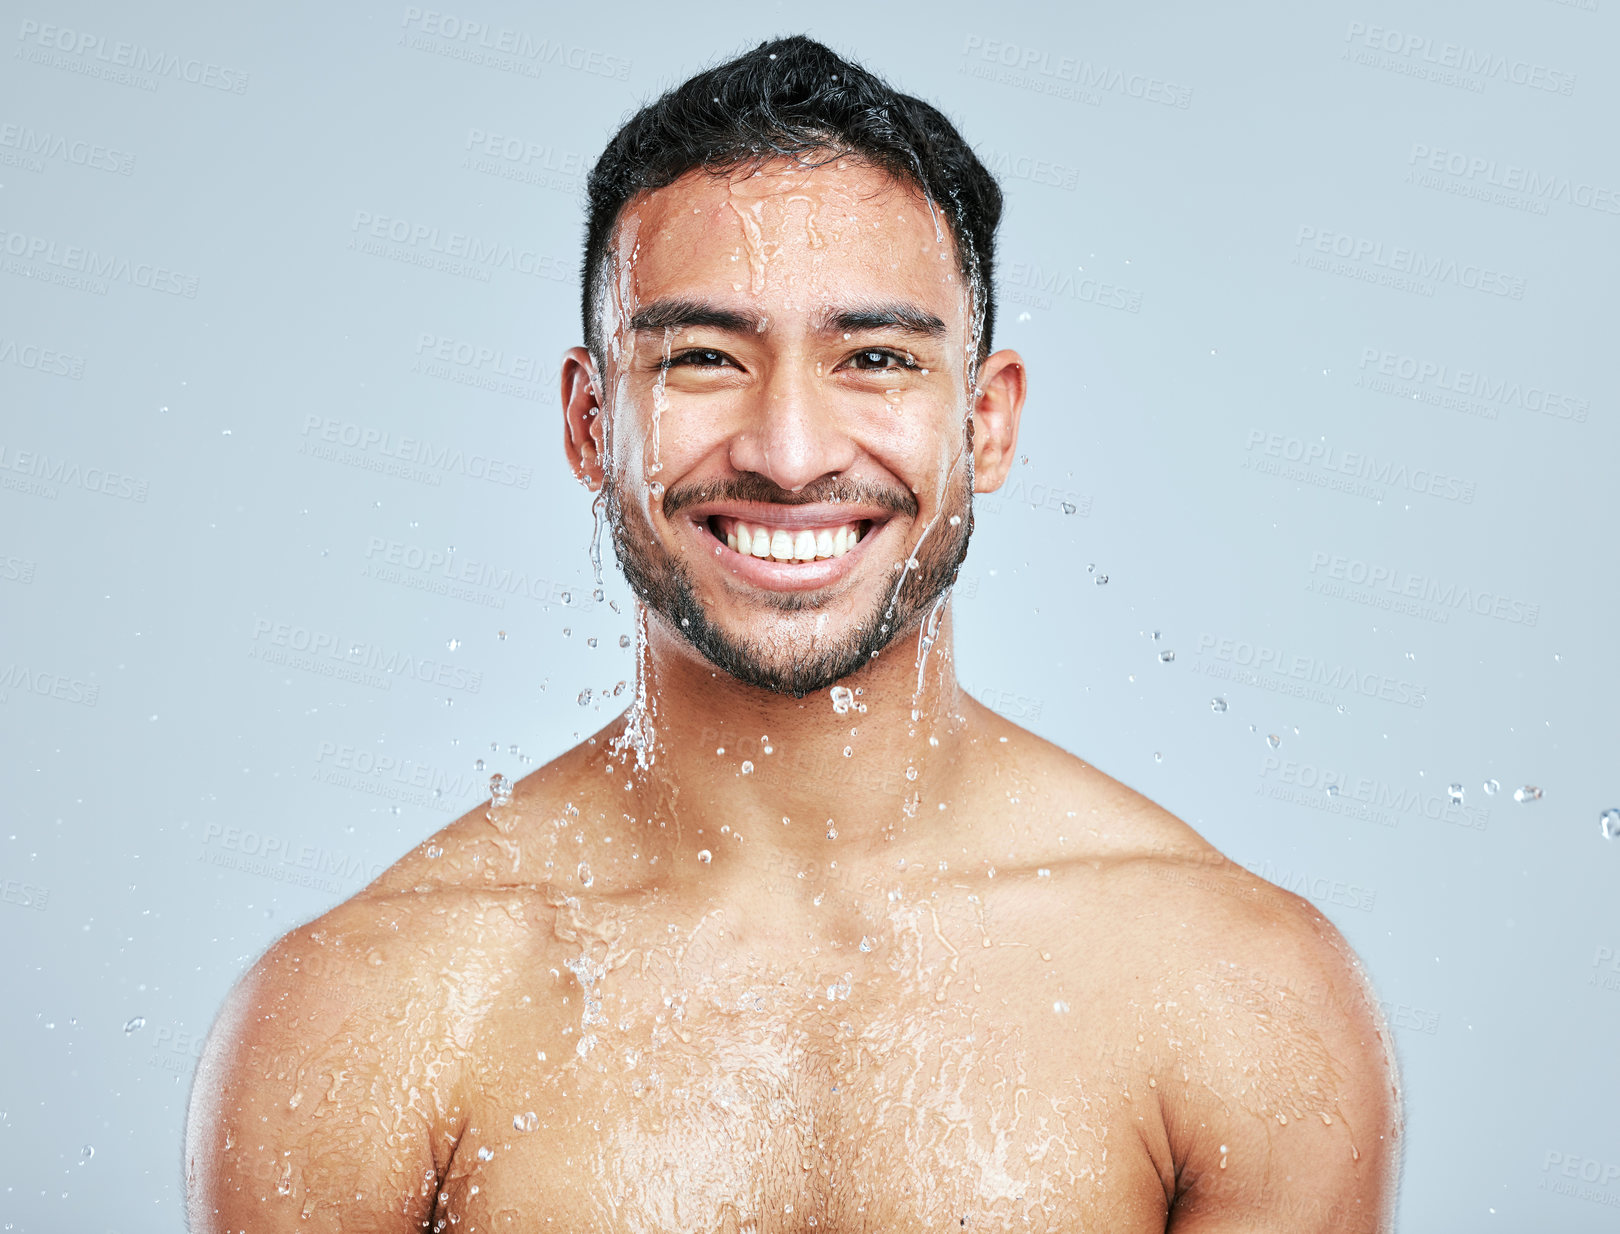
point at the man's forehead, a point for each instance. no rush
(821, 236)
(837, 197)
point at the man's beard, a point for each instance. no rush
(663, 585)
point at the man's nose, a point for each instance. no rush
(793, 433)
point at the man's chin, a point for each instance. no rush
(817, 666)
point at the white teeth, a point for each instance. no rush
(781, 544)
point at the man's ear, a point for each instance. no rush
(583, 430)
(997, 405)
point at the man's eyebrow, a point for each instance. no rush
(906, 318)
(680, 314)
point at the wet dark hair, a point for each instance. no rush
(795, 97)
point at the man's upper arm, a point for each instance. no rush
(1293, 1120)
(313, 1108)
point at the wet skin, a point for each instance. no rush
(726, 977)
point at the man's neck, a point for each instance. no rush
(728, 767)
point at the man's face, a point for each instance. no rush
(787, 396)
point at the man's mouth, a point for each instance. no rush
(779, 543)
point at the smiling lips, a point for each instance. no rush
(753, 539)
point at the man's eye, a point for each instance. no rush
(880, 358)
(700, 358)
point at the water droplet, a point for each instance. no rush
(832, 832)
(848, 751)
(501, 634)
(705, 856)
(567, 597)
(486, 1153)
(584, 699)
(583, 873)
(747, 767)
(1273, 740)
(1528, 793)
(1158, 757)
(1101, 579)
(955, 520)
(478, 764)
(1043, 872)
(1167, 657)
(1609, 823)
(452, 644)
(1061, 1007)
(1332, 790)
(591, 642)
(434, 850)
(1217, 704)
(1492, 787)
(500, 789)
(87, 1152)
(624, 640)
(866, 943)
(134, 1025)
(1455, 792)
(656, 488)
(525, 1122)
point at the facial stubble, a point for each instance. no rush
(661, 582)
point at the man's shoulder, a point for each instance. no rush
(470, 886)
(457, 902)
(361, 1014)
(1242, 989)
(362, 962)
(1189, 916)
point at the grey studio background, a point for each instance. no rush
(1318, 303)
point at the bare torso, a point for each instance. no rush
(1058, 1010)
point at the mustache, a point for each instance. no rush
(750, 486)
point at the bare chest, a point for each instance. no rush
(841, 1092)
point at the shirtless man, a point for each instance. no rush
(807, 939)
